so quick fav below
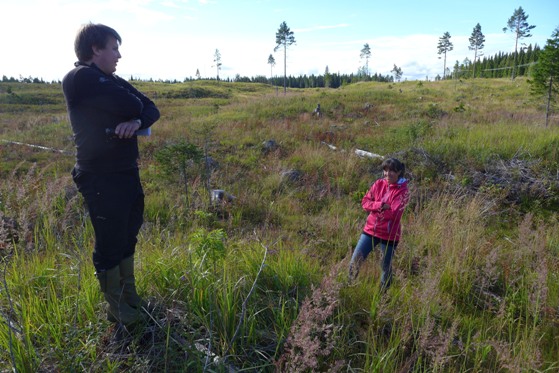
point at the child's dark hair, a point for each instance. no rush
(393, 164)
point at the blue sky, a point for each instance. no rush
(172, 39)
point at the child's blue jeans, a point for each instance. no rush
(364, 247)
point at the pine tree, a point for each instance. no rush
(284, 38)
(366, 54)
(272, 63)
(476, 44)
(397, 71)
(518, 24)
(545, 79)
(444, 46)
(217, 61)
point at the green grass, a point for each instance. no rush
(259, 283)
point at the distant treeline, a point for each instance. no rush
(498, 66)
(304, 81)
(30, 79)
(316, 81)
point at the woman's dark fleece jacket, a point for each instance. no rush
(97, 101)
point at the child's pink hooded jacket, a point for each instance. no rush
(385, 224)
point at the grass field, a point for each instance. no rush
(259, 283)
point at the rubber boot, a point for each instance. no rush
(129, 294)
(118, 311)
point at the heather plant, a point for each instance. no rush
(314, 335)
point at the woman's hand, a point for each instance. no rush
(126, 130)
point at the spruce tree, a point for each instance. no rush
(545, 79)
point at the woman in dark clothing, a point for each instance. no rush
(106, 170)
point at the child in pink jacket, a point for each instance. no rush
(385, 202)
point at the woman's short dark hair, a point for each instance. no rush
(395, 165)
(90, 35)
